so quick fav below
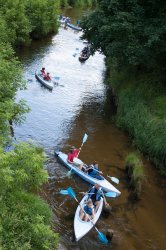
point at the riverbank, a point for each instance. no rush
(141, 111)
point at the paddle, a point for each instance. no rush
(101, 236)
(64, 192)
(75, 54)
(114, 179)
(108, 194)
(83, 141)
(56, 77)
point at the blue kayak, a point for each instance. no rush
(74, 27)
(106, 185)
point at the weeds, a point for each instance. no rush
(141, 111)
(135, 172)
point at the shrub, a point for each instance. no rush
(135, 172)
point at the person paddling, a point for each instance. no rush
(43, 72)
(88, 211)
(95, 194)
(93, 170)
(47, 77)
(74, 154)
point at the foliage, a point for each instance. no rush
(132, 35)
(88, 3)
(10, 83)
(3, 29)
(64, 3)
(24, 217)
(135, 172)
(23, 20)
(42, 15)
(141, 111)
(17, 23)
(130, 32)
(82, 3)
(24, 166)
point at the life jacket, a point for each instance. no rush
(96, 194)
(88, 210)
(92, 171)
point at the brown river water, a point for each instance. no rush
(81, 103)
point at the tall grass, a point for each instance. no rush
(141, 111)
(135, 172)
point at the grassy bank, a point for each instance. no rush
(141, 111)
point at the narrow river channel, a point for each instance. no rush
(58, 119)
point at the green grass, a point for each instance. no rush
(135, 172)
(141, 111)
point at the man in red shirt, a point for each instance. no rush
(74, 154)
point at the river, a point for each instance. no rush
(81, 103)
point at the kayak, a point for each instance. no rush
(62, 19)
(83, 57)
(47, 84)
(82, 227)
(106, 185)
(74, 27)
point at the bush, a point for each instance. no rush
(135, 172)
(25, 218)
(23, 20)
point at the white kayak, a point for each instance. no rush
(47, 84)
(82, 227)
(106, 185)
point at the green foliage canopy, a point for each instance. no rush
(42, 15)
(10, 83)
(23, 20)
(24, 217)
(131, 32)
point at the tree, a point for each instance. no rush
(10, 82)
(24, 217)
(130, 32)
(18, 25)
(42, 15)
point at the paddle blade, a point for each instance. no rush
(102, 238)
(110, 194)
(71, 192)
(85, 138)
(114, 179)
(69, 173)
(64, 192)
(56, 77)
